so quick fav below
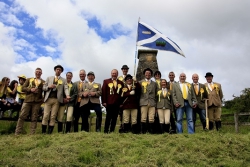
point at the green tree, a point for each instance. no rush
(241, 103)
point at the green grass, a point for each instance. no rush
(97, 149)
(212, 148)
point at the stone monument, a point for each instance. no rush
(147, 59)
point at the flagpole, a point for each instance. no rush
(136, 48)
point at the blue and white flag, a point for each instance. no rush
(152, 38)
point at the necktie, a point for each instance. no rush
(164, 92)
(56, 78)
(196, 88)
(80, 87)
(171, 84)
(115, 83)
(129, 87)
(184, 91)
(159, 83)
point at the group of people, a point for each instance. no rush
(137, 103)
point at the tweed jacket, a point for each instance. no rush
(77, 85)
(215, 96)
(178, 96)
(162, 101)
(148, 93)
(62, 88)
(111, 95)
(72, 94)
(31, 96)
(168, 86)
(131, 101)
(87, 87)
(201, 96)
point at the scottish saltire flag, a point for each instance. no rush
(152, 38)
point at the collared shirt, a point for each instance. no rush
(198, 85)
(209, 85)
(181, 86)
(148, 80)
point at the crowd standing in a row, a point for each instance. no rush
(139, 104)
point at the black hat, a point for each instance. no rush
(148, 69)
(91, 73)
(157, 72)
(58, 66)
(128, 77)
(124, 67)
(209, 74)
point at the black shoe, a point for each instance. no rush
(151, 128)
(50, 129)
(218, 125)
(211, 125)
(68, 127)
(204, 125)
(59, 125)
(44, 128)
(143, 128)
(166, 128)
(172, 131)
(134, 129)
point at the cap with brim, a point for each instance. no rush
(124, 67)
(148, 69)
(22, 76)
(91, 73)
(209, 74)
(58, 66)
(128, 77)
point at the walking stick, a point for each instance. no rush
(207, 119)
(65, 120)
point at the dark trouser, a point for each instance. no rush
(111, 117)
(172, 123)
(84, 113)
(98, 111)
(202, 115)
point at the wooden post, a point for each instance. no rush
(236, 121)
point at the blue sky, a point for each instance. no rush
(101, 35)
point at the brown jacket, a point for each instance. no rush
(31, 96)
(87, 87)
(215, 96)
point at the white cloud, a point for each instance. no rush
(212, 34)
(50, 49)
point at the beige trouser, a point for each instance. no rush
(69, 113)
(164, 116)
(51, 107)
(26, 107)
(126, 116)
(147, 111)
(214, 113)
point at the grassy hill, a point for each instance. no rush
(224, 148)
